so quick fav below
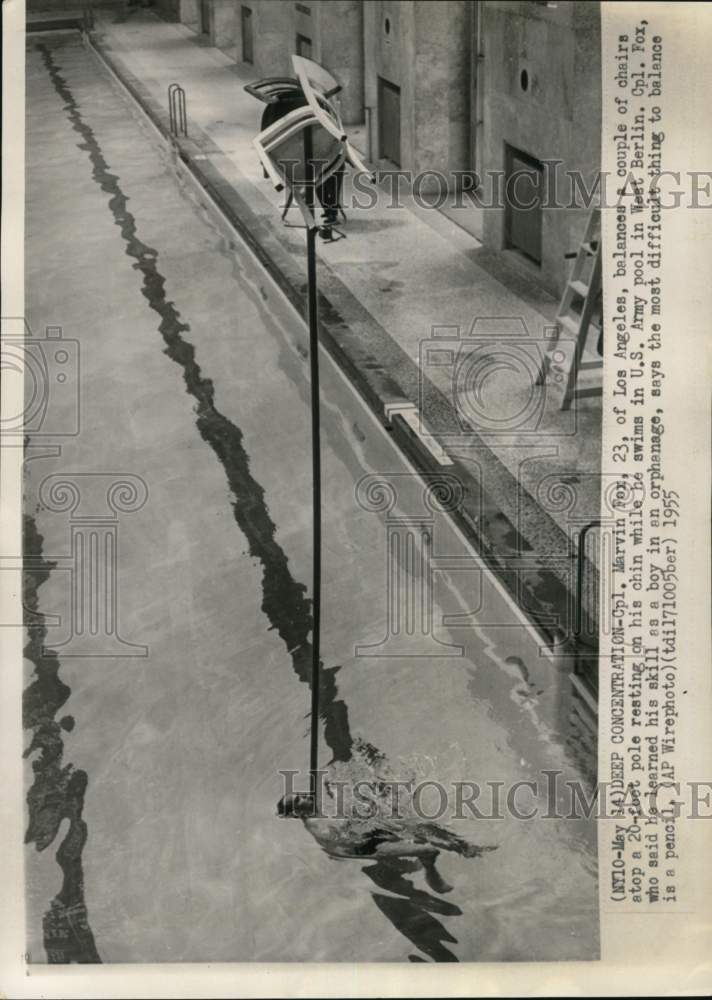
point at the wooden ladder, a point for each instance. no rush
(580, 311)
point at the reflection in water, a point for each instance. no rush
(411, 909)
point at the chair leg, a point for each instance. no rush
(287, 206)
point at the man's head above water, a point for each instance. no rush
(296, 804)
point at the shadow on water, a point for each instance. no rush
(285, 602)
(57, 792)
(410, 909)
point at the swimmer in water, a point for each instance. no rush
(381, 838)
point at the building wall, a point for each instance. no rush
(458, 113)
(222, 19)
(334, 30)
(44, 6)
(339, 47)
(168, 9)
(272, 32)
(218, 16)
(422, 47)
(558, 115)
(190, 13)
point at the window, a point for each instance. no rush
(523, 210)
(304, 46)
(248, 54)
(389, 121)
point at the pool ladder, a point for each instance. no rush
(177, 117)
(584, 707)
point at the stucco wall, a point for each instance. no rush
(556, 117)
(421, 46)
(223, 14)
(339, 47)
(36, 6)
(190, 13)
(168, 9)
(334, 29)
(426, 48)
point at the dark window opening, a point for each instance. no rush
(389, 121)
(523, 196)
(304, 46)
(248, 53)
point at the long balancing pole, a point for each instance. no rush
(313, 318)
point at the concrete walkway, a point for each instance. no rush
(401, 272)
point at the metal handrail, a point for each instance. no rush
(177, 113)
(581, 559)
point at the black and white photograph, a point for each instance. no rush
(312, 360)
(319, 552)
